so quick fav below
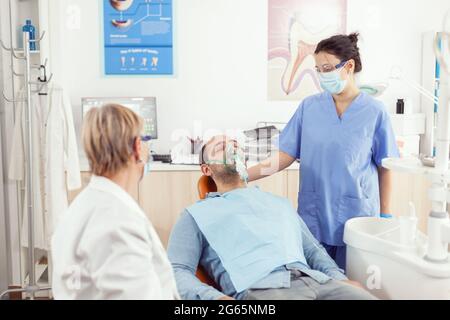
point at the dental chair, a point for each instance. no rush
(205, 185)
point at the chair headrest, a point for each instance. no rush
(205, 185)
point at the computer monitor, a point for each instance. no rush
(144, 106)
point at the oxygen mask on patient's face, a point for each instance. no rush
(233, 161)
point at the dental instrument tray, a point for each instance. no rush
(260, 142)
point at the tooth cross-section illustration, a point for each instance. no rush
(295, 29)
(302, 43)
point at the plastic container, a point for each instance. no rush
(28, 27)
(400, 106)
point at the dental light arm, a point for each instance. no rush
(396, 74)
(377, 89)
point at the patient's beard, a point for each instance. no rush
(226, 175)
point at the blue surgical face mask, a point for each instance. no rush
(332, 82)
(147, 168)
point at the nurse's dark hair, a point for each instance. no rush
(345, 47)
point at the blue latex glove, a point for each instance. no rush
(386, 215)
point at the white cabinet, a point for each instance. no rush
(411, 188)
(164, 195)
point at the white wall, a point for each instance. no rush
(221, 49)
(391, 33)
(221, 55)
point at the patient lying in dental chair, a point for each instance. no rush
(251, 243)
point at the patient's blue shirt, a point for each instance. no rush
(245, 239)
(250, 240)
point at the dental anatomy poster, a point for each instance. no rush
(138, 37)
(295, 29)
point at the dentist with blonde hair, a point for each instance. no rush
(105, 247)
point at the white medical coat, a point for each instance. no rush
(55, 161)
(106, 248)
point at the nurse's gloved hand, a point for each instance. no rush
(386, 215)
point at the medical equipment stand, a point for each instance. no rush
(439, 193)
(438, 221)
(31, 288)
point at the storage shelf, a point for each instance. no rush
(414, 166)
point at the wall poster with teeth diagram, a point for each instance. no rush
(295, 29)
(138, 37)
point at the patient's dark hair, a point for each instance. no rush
(345, 47)
(202, 157)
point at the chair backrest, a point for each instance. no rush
(203, 277)
(205, 185)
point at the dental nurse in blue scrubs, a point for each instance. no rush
(340, 137)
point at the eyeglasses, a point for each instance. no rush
(329, 68)
(146, 138)
(143, 138)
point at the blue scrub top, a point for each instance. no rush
(339, 157)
